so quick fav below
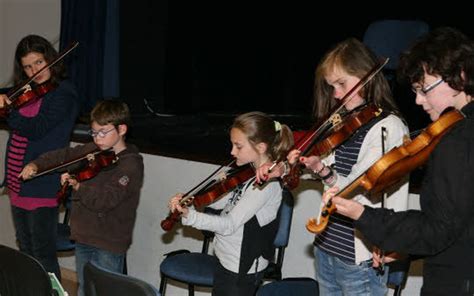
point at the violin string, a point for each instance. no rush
(415, 133)
(347, 98)
(94, 152)
(187, 196)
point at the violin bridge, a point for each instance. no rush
(406, 139)
(335, 119)
(27, 88)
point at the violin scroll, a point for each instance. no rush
(313, 226)
(168, 223)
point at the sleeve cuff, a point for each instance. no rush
(365, 219)
(190, 219)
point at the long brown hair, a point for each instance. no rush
(356, 59)
(37, 44)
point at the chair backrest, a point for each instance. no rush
(101, 282)
(21, 274)
(389, 38)
(285, 216)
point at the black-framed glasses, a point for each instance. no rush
(424, 90)
(100, 134)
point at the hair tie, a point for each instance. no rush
(277, 126)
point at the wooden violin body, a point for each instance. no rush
(394, 165)
(92, 167)
(332, 138)
(209, 193)
(29, 95)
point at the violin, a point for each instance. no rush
(393, 166)
(210, 192)
(95, 163)
(25, 93)
(335, 129)
(334, 137)
(29, 95)
(96, 160)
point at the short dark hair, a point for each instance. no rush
(445, 52)
(111, 112)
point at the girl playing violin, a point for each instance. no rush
(249, 209)
(104, 207)
(41, 125)
(440, 68)
(344, 259)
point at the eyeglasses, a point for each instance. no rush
(424, 90)
(100, 134)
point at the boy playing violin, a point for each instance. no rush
(440, 68)
(104, 207)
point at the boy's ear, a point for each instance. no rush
(122, 129)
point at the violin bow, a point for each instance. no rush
(57, 167)
(346, 99)
(187, 196)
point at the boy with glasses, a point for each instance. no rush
(440, 68)
(104, 207)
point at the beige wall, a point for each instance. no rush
(19, 18)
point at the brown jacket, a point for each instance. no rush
(104, 208)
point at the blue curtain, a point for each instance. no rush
(93, 65)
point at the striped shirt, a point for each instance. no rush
(15, 162)
(338, 237)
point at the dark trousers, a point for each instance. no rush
(36, 233)
(227, 283)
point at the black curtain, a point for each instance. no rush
(93, 65)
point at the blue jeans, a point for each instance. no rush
(102, 258)
(336, 277)
(36, 233)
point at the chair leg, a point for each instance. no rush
(190, 290)
(163, 283)
(398, 291)
(125, 268)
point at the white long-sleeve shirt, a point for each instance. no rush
(237, 209)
